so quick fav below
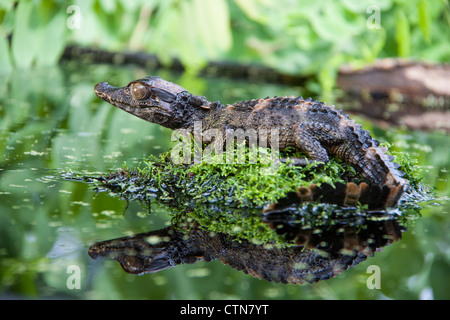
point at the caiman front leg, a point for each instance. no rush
(309, 137)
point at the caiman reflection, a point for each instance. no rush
(315, 251)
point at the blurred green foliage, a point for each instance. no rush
(292, 36)
(48, 223)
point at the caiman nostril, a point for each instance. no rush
(101, 87)
(93, 253)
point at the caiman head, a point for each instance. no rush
(151, 98)
(147, 252)
(136, 254)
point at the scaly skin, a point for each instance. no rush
(319, 253)
(158, 250)
(307, 125)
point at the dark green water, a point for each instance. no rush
(51, 122)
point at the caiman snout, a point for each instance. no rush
(107, 92)
(97, 250)
(101, 88)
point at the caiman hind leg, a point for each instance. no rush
(309, 137)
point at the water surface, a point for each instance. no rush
(51, 124)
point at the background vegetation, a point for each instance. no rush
(292, 36)
(51, 121)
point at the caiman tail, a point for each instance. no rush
(384, 189)
(345, 195)
(385, 182)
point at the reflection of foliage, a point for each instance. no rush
(48, 121)
(300, 37)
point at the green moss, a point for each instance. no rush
(241, 224)
(236, 184)
(408, 165)
(228, 198)
(241, 185)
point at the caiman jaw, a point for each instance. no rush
(112, 95)
(115, 96)
(152, 99)
(133, 259)
(101, 89)
(151, 109)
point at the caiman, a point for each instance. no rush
(319, 253)
(307, 125)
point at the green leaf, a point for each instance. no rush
(360, 6)
(194, 31)
(25, 35)
(109, 6)
(185, 33)
(327, 75)
(7, 4)
(255, 10)
(52, 40)
(425, 19)
(330, 23)
(5, 60)
(402, 35)
(212, 25)
(373, 44)
(38, 34)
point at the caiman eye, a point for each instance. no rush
(140, 91)
(132, 264)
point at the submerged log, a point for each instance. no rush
(400, 92)
(390, 91)
(397, 76)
